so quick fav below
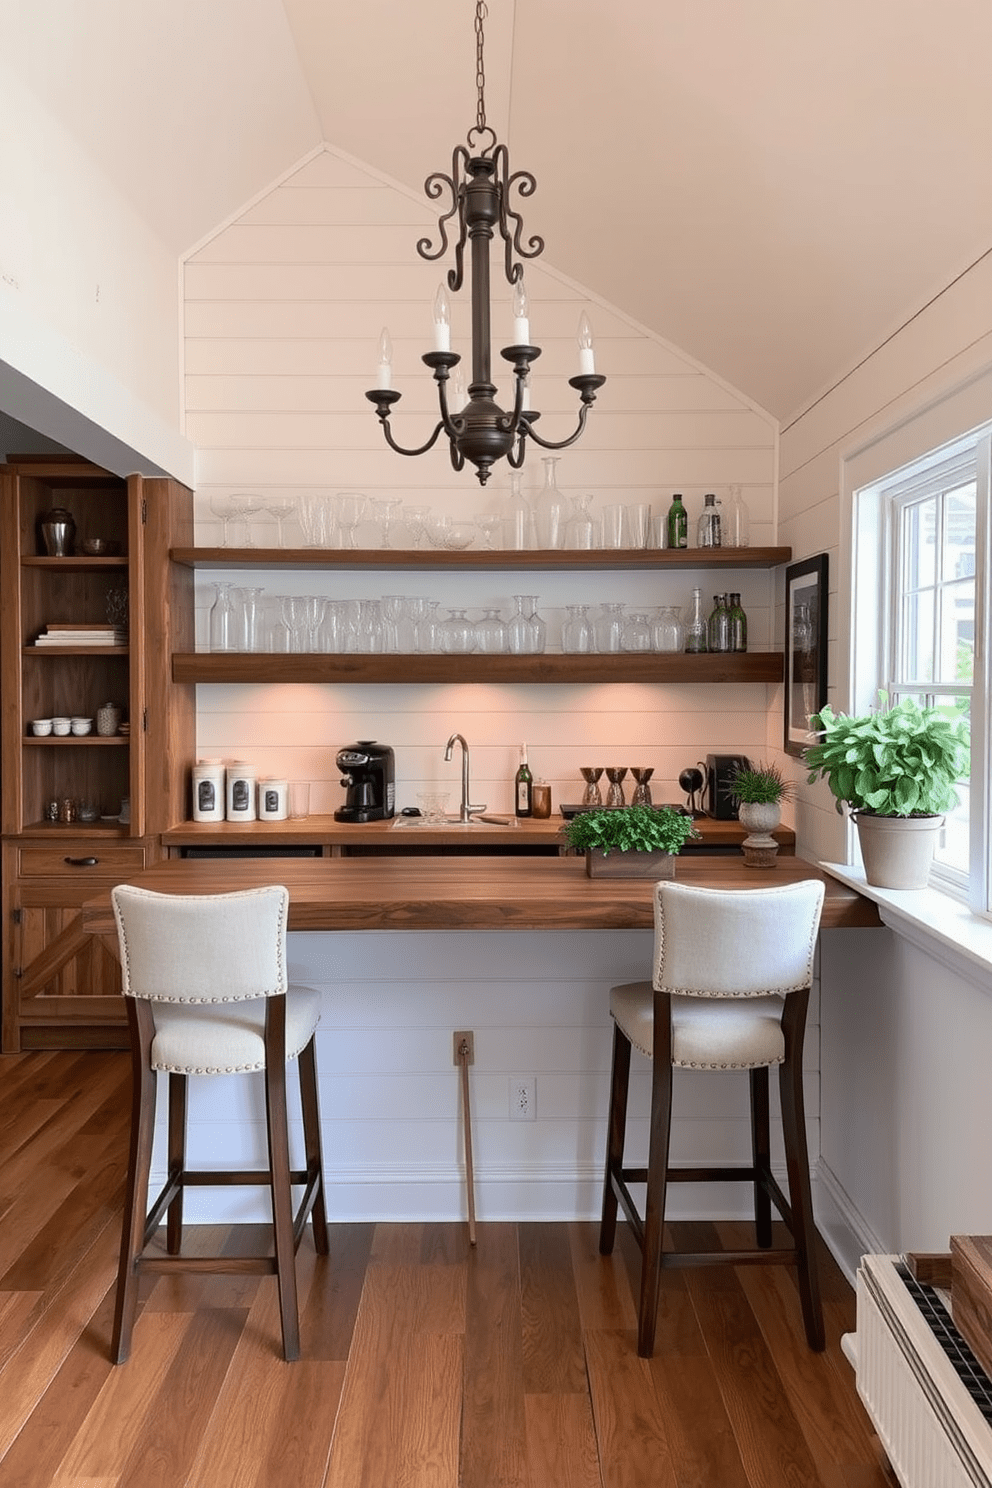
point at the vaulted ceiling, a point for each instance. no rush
(772, 186)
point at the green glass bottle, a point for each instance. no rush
(523, 786)
(678, 523)
(738, 625)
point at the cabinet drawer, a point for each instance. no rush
(87, 859)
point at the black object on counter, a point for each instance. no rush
(368, 771)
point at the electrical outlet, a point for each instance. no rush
(523, 1097)
(460, 1039)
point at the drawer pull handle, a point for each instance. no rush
(82, 862)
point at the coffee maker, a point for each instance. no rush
(369, 778)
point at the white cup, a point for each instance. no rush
(61, 726)
(42, 727)
(299, 799)
(81, 726)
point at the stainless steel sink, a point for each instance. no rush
(452, 823)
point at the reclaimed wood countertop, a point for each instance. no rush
(505, 893)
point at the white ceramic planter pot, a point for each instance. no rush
(760, 818)
(897, 850)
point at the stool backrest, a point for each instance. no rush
(202, 947)
(735, 942)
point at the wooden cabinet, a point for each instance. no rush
(548, 667)
(59, 987)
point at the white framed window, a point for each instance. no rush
(923, 530)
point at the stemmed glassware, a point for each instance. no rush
(393, 607)
(247, 504)
(294, 618)
(642, 791)
(489, 523)
(314, 609)
(616, 774)
(224, 511)
(385, 511)
(592, 796)
(351, 507)
(317, 520)
(416, 518)
(281, 507)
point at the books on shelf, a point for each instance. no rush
(81, 633)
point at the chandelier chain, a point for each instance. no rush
(481, 11)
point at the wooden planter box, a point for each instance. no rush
(629, 864)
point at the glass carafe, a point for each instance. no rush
(223, 620)
(456, 633)
(580, 528)
(549, 508)
(490, 633)
(696, 630)
(577, 635)
(609, 628)
(637, 632)
(667, 631)
(538, 628)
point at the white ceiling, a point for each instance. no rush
(770, 185)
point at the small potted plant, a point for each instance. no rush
(758, 791)
(630, 841)
(896, 769)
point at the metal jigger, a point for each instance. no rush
(642, 793)
(590, 774)
(615, 775)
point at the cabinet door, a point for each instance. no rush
(62, 986)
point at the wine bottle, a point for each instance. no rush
(523, 786)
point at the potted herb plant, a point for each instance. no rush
(896, 769)
(758, 791)
(630, 841)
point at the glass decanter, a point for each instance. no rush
(577, 634)
(490, 633)
(580, 529)
(667, 630)
(223, 616)
(637, 632)
(696, 630)
(456, 633)
(609, 628)
(549, 508)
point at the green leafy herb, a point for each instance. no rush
(630, 829)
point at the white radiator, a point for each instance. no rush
(925, 1392)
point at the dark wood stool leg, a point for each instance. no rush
(619, 1085)
(761, 1155)
(797, 1167)
(279, 1174)
(654, 1205)
(139, 1163)
(177, 1160)
(312, 1142)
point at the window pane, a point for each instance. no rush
(958, 556)
(916, 659)
(957, 633)
(919, 543)
(952, 847)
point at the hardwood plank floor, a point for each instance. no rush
(426, 1363)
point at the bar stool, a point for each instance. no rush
(206, 989)
(730, 991)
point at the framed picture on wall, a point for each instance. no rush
(805, 648)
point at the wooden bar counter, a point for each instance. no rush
(505, 893)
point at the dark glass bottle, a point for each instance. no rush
(738, 624)
(523, 785)
(678, 523)
(718, 629)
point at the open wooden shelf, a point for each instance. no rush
(256, 667)
(498, 559)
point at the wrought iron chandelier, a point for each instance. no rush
(480, 186)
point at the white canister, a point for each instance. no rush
(272, 799)
(208, 790)
(241, 783)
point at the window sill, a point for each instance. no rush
(933, 922)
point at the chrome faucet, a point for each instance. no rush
(466, 809)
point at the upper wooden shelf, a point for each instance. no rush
(75, 564)
(550, 666)
(501, 559)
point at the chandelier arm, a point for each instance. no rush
(384, 398)
(586, 385)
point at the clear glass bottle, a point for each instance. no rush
(518, 532)
(696, 630)
(637, 632)
(537, 626)
(518, 632)
(737, 526)
(609, 628)
(678, 523)
(667, 630)
(577, 634)
(223, 617)
(549, 508)
(708, 527)
(718, 628)
(738, 624)
(456, 633)
(490, 633)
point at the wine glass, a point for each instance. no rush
(351, 507)
(247, 504)
(385, 511)
(281, 507)
(224, 511)
(416, 519)
(489, 523)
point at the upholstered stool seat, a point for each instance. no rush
(729, 991)
(207, 993)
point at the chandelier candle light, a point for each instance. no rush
(478, 430)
